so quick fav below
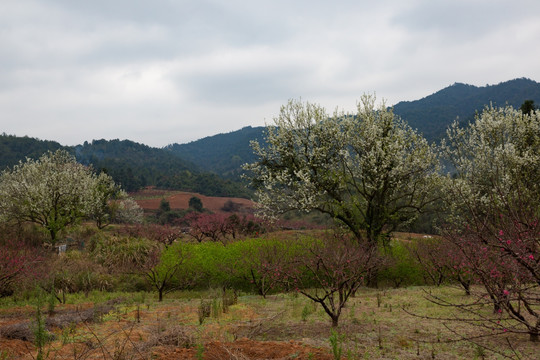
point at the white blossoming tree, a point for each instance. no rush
(369, 171)
(127, 210)
(54, 192)
(495, 200)
(102, 209)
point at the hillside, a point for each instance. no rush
(14, 149)
(225, 153)
(135, 165)
(150, 199)
(434, 113)
(131, 164)
(212, 166)
(222, 154)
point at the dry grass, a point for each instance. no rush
(374, 326)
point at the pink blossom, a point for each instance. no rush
(501, 233)
(531, 257)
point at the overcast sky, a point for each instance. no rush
(171, 71)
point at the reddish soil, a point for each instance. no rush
(149, 199)
(245, 349)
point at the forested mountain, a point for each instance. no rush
(223, 154)
(14, 149)
(135, 165)
(131, 164)
(434, 113)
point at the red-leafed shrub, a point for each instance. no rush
(17, 260)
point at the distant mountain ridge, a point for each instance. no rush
(212, 165)
(431, 116)
(434, 113)
(132, 165)
(223, 154)
(17, 148)
(135, 165)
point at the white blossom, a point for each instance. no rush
(54, 192)
(369, 171)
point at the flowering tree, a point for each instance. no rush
(218, 227)
(54, 192)
(165, 234)
(102, 209)
(126, 210)
(16, 261)
(495, 212)
(370, 171)
(441, 261)
(212, 226)
(328, 271)
(163, 266)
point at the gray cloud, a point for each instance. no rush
(173, 71)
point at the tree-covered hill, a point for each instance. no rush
(432, 114)
(135, 165)
(130, 164)
(15, 148)
(222, 154)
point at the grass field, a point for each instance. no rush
(376, 324)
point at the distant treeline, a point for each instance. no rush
(213, 165)
(130, 164)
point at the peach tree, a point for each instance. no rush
(493, 195)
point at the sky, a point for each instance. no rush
(171, 71)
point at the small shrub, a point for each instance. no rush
(231, 206)
(336, 341)
(401, 268)
(120, 253)
(200, 351)
(306, 311)
(228, 298)
(204, 310)
(131, 283)
(216, 310)
(196, 204)
(75, 272)
(179, 336)
(41, 335)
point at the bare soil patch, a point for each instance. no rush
(150, 199)
(257, 328)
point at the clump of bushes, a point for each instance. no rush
(120, 253)
(401, 268)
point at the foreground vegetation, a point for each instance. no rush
(113, 298)
(377, 324)
(368, 174)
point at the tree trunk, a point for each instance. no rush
(53, 236)
(372, 279)
(533, 332)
